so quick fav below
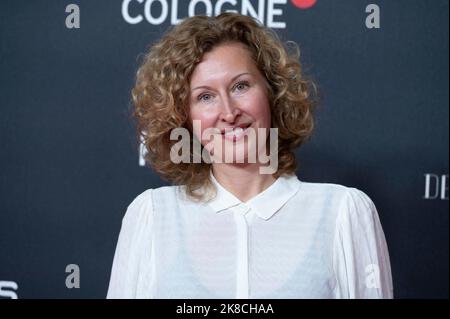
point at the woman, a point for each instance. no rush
(229, 228)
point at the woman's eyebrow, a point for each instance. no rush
(233, 79)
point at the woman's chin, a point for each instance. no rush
(236, 160)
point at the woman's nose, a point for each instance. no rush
(229, 110)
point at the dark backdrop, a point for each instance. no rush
(69, 166)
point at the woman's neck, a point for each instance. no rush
(242, 180)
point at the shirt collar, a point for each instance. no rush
(265, 204)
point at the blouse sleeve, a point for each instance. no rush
(360, 253)
(133, 242)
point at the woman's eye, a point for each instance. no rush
(205, 97)
(241, 85)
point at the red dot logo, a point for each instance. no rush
(303, 4)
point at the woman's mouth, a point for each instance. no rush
(235, 133)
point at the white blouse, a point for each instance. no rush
(293, 240)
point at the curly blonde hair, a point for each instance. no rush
(161, 92)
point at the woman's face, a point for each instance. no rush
(228, 91)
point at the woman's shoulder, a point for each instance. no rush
(147, 194)
(142, 204)
(345, 199)
(321, 187)
(328, 189)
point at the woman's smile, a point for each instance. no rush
(237, 133)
